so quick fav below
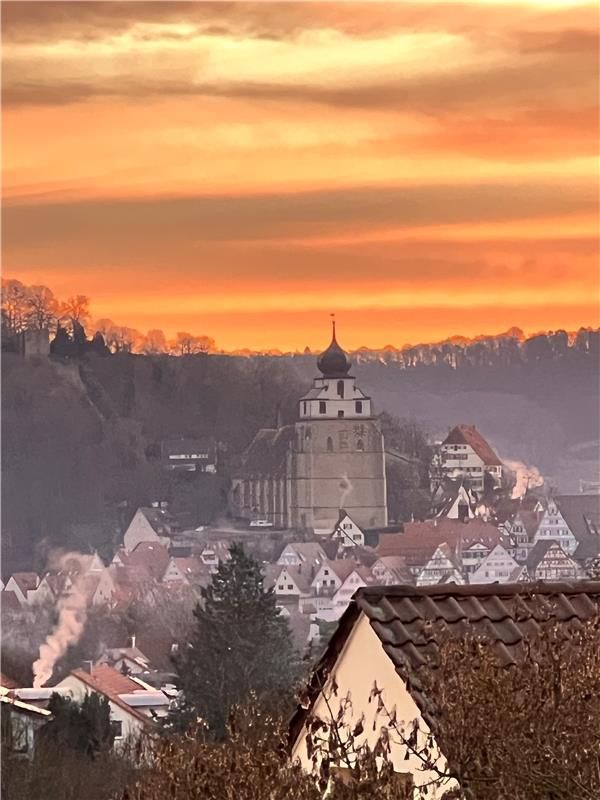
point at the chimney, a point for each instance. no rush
(87, 666)
(133, 640)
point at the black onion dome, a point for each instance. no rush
(333, 362)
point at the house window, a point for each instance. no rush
(117, 728)
(358, 406)
(340, 413)
(325, 572)
(304, 407)
(290, 586)
(340, 388)
(322, 407)
(281, 587)
(329, 444)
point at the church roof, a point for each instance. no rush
(267, 452)
(333, 362)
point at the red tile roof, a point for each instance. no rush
(111, 683)
(149, 556)
(420, 539)
(468, 434)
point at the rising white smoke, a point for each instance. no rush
(346, 487)
(72, 613)
(527, 478)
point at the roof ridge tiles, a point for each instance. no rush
(480, 590)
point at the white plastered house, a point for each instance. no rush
(387, 637)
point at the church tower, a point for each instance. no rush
(337, 452)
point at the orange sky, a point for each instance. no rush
(241, 170)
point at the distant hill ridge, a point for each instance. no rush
(559, 340)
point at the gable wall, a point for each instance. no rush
(361, 662)
(139, 530)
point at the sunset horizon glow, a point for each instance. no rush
(422, 169)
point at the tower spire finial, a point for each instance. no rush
(332, 326)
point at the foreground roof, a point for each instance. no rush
(410, 622)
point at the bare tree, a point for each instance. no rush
(186, 344)
(42, 308)
(14, 306)
(154, 342)
(77, 308)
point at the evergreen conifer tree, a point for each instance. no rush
(240, 645)
(85, 728)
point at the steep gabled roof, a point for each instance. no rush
(309, 552)
(149, 556)
(302, 576)
(26, 581)
(410, 622)
(111, 683)
(581, 512)
(468, 434)
(342, 567)
(160, 519)
(539, 551)
(266, 454)
(531, 522)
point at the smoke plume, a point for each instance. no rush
(346, 488)
(527, 478)
(72, 613)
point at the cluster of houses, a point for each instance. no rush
(550, 540)
(136, 706)
(151, 559)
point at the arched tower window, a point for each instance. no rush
(329, 444)
(360, 445)
(340, 388)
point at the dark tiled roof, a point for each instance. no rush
(531, 522)
(581, 512)
(410, 622)
(187, 446)
(468, 434)
(267, 452)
